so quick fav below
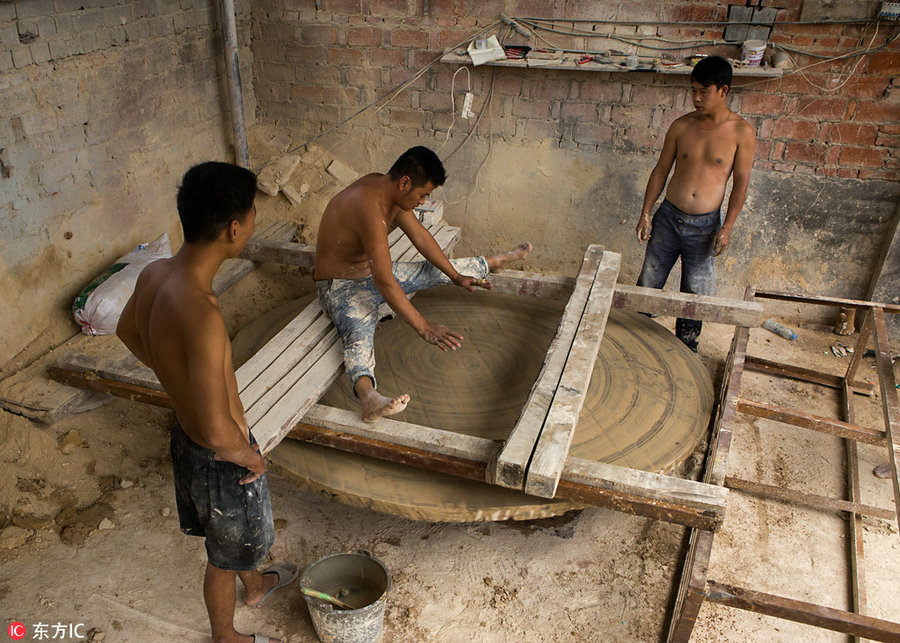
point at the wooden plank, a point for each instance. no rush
(513, 460)
(532, 284)
(858, 598)
(693, 574)
(628, 490)
(806, 375)
(278, 371)
(288, 253)
(92, 382)
(735, 312)
(802, 612)
(814, 422)
(815, 501)
(889, 404)
(552, 447)
(124, 368)
(828, 301)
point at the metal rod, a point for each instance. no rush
(233, 72)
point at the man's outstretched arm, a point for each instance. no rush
(743, 163)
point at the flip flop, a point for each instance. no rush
(286, 574)
(259, 638)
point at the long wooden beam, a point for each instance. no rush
(813, 422)
(802, 612)
(761, 365)
(889, 403)
(734, 312)
(628, 490)
(827, 301)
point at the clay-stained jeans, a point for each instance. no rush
(352, 304)
(689, 236)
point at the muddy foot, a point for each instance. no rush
(500, 261)
(376, 405)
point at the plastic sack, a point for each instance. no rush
(98, 307)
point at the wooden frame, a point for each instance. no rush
(694, 586)
(280, 385)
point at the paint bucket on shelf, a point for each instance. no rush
(356, 578)
(752, 52)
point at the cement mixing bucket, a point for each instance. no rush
(359, 580)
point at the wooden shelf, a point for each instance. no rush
(569, 62)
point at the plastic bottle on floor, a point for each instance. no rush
(779, 329)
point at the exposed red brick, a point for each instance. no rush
(880, 175)
(321, 75)
(873, 87)
(877, 112)
(888, 128)
(850, 134)
(814, 153)
(764, 104)
(863, 156)
(387, 57)
(407, 118)
(795, 129)
(318, 35)
(305, 55)
(832, 109)
(307, 93)
(407, 38)
(888, 140)
(393, 7)
(342, 6)
(783, 167)
(763, 149)
(364, 37)
(344, 56)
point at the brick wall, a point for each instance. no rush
(562, 157)
(316, 67)
(103, 106)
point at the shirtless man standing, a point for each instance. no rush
(173, 324)
(354, 272)
(706, 146)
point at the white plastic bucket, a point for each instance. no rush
(752, 52)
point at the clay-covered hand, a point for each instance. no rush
(441, 336)
(643, 228)
(723, 238)
(470, 283)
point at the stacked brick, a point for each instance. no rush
(319, 62)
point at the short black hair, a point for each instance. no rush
(421, 165)
(212, 195)
(713, 70)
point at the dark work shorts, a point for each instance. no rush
(236, 519)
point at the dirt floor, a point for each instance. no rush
(89, 536)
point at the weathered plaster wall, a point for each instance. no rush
(103, 106)
(562, 157)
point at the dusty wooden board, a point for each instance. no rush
(512, 462)
(889, 403)
(290, 393)
(639, 492)
(552, 446)
(30, 393)
(734, 312)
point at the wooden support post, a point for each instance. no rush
(889, 404)
(858, 599)
(693, 574)
(806, 375)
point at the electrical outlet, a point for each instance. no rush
(890, 11)
(467, 106)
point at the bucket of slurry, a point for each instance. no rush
(356, 579)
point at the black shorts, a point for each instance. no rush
(236, 519)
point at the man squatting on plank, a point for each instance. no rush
(707, 146)
(173, 324)
(354, 272)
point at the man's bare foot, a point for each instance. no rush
(498, 262)
(376, 405)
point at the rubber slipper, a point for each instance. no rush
(259, 638)
(286, 572)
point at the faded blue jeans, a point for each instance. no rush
(352, 304)
(691, 236)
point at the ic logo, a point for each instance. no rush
(16, 631)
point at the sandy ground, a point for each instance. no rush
(90, 537)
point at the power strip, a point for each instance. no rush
(890, 11)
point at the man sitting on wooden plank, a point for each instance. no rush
(354, 272)
(173, 324)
